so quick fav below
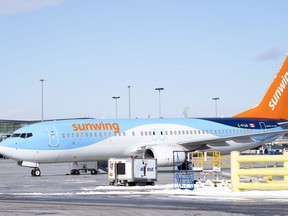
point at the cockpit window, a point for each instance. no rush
(22, 135)
(16, 135)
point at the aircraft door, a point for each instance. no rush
(162, 136)
(52, 134)
(154, 135)
(158, 135)
(262, 125)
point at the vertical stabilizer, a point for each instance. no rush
(275, 102)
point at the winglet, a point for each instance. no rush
(274, 104)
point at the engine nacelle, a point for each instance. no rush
(164, 154)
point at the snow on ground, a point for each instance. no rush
(201, 191)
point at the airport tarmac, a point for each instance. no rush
(56, 193)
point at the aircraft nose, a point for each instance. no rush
(6, 142)
(6, 148)
(5, 151)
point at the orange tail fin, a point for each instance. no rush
(274, 104)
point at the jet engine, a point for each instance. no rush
(164, 154)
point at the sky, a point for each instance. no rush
(90, 51)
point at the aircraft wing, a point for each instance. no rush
(216, 141)
(237, 138)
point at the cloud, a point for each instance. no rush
(271, 54)
(19, 6)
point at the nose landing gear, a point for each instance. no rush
(36, 172)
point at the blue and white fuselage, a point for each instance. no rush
(93, 139)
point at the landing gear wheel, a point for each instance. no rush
(36, 172)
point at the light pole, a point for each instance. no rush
(42, 99)
(116, 98)
(159, 89)
(129, 101)
(215, 98)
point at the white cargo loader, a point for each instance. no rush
(132, 171)
(84, 168)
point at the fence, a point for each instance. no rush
(266, 170)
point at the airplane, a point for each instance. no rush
(78, 140)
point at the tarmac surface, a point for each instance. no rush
(56, 193)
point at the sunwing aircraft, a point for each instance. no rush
(78, 140)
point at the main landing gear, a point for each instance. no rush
(36, 172)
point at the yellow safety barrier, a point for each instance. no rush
(266, 172)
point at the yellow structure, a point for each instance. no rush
(197, 159)
(203, 160)
(216, 162)
(267, 172)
